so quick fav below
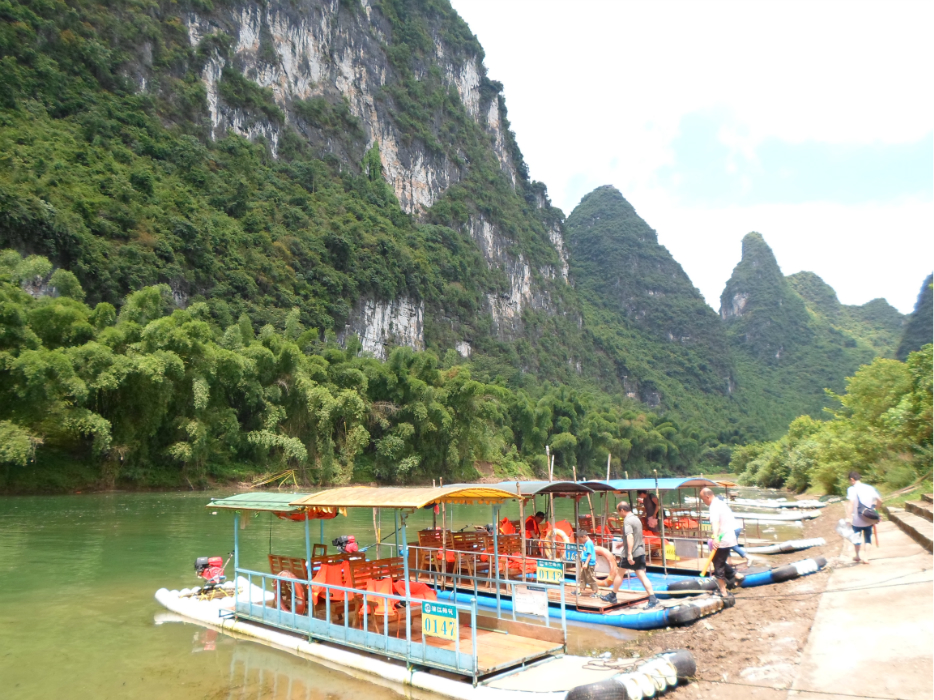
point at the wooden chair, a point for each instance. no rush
(321, 599)
(468, 547)
(297, 567)
(363, 576)
(429, 540)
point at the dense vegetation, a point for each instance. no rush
(876, 323)
(881, 428)
(158, 395)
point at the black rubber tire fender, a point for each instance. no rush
(821, 562)
(683, 661)
(691, 586)
(784, 573)
(604, 690)
(683, 615)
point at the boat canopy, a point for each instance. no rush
(416, 497)
(528, 489)
(666, 484)
(274, 502)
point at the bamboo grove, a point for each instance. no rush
(157, 395)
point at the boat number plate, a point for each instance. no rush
(439, 620)
(549, 571)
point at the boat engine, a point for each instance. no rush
(211, 569)
(346, 544)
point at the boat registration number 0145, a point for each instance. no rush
(439, 620)
(549, 571)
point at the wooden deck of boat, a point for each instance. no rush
(495, 649)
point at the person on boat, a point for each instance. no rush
(532, 523)
(860, 494)
(633, 555)
(650, 507)
(588, 562)
(722, 541)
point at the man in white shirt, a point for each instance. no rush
(723, 539)
(860, 493)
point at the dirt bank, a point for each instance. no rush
(759, 642)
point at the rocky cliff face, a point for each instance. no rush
(313, 49)
(318, 50)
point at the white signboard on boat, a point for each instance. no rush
(531, 600)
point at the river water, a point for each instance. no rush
(78, 619)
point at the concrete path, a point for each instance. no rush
(877, 642)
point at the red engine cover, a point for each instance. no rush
(216, 561)
(213, 574)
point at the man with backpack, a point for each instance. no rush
(861, 501)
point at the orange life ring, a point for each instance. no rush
(288, 593)
(605, 567)
(546, 547)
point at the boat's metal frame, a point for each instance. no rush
(414, 653)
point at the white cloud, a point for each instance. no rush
(596, 92)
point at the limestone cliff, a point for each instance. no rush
(318, 55)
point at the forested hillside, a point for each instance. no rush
(786, 354)
(920, 326)
(241, 237)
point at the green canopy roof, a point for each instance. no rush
(276, 502)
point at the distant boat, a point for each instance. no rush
(776, 503)
(789, 546)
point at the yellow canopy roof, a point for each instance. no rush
(418, 497)
(726, 484)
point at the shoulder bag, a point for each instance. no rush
(866, 513)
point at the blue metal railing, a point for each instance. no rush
(345, 633)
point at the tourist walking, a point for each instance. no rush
(633, 555)
(722, 541)
(860, 494)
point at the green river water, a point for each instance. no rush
(78, 619)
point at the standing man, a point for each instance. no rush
(633, 555)
(723, 539)
(860, 493)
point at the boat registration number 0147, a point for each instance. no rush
(439, 620)
(549, 571)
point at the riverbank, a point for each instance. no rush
(771, 640)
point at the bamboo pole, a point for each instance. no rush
(661, 519)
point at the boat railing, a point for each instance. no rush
(466, 573)
(443, 622)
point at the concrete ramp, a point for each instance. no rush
(877, 639)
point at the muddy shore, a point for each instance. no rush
(752, 649)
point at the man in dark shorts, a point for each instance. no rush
(633, 555)
(722, 541)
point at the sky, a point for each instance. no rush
(809, 122)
